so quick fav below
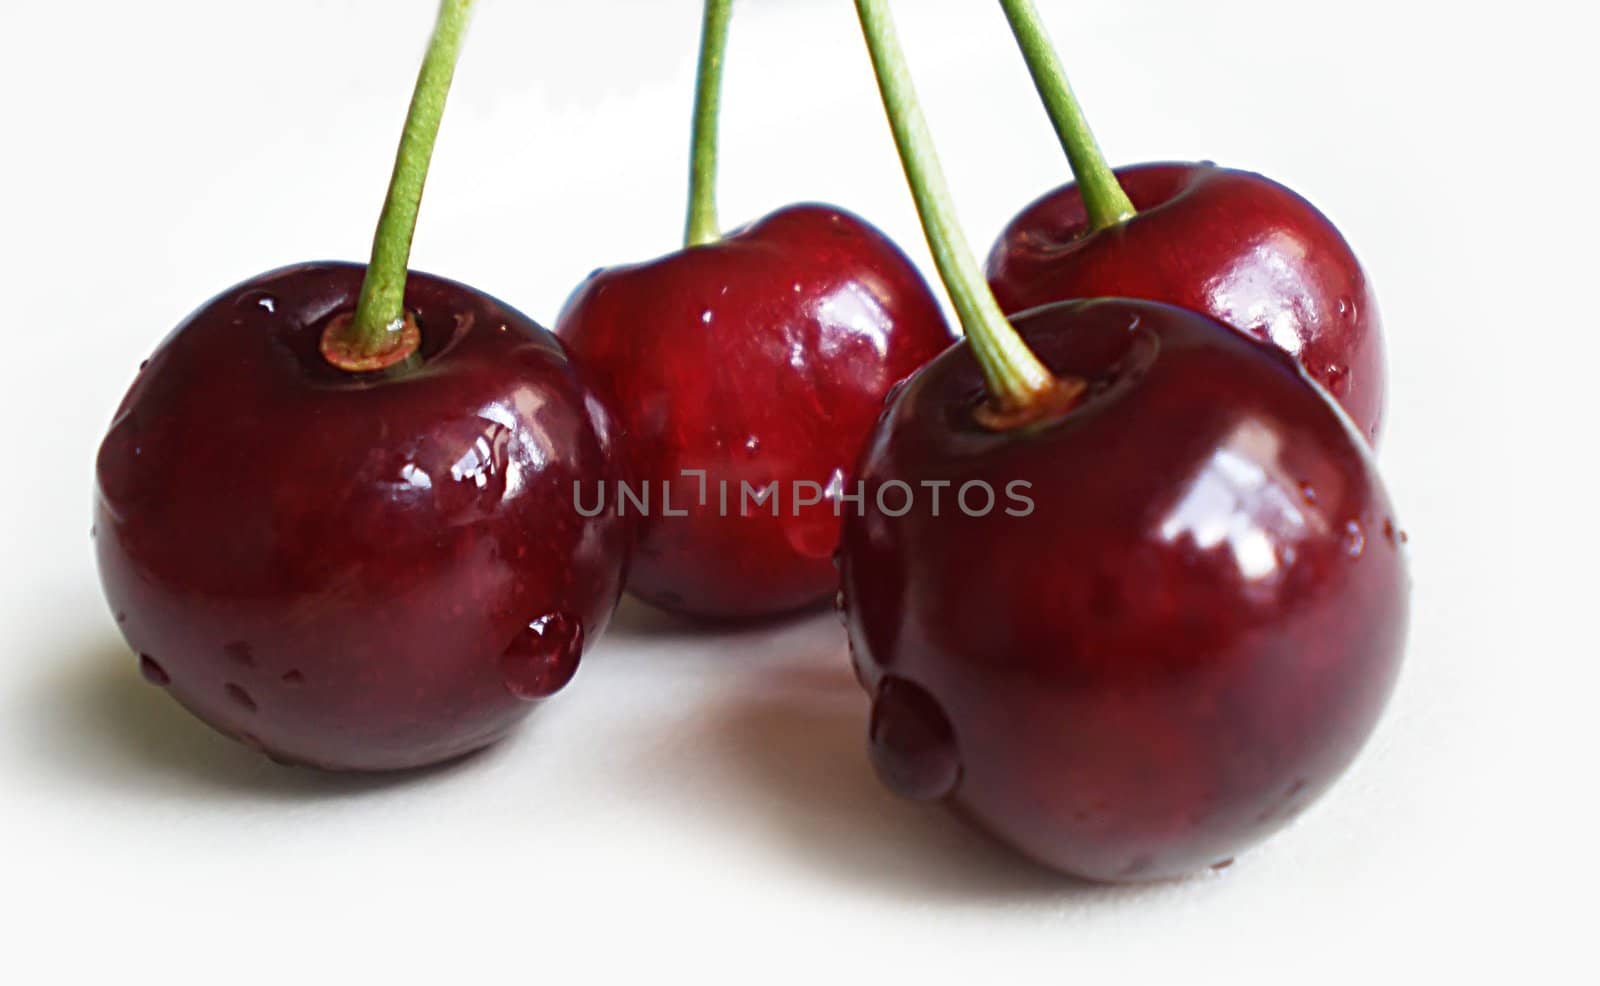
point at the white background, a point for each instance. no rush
(699, 803)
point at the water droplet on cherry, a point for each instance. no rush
(153, 672)
(1354, 540)
(543, 657)
(912, 744)
(1338, 379)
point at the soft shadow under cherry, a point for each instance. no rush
(102, 722)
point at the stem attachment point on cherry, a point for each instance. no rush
(382, 333)
(702, 227)
(1104, 201)
(1021, 388)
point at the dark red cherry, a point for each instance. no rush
(1139, 637)
(359, 571)
(760, 360)
(1229, 244)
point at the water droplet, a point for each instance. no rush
(912, 744)
(895, 392)
(268, 304)
(1354, 540)
(1347, 307)
(1337, 379)
(1308, 493)
(705, 317)
(239, 653)
(543, 657)
(143, 364)
(153, 672)
(293, 678)
(1388, 530)
(1222, 865)
(240, 696)
(752, 445)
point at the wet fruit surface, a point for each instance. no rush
(1230, 244)
(335, 565)
(756, 362)
(1175, 646)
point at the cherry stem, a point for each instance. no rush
(1016, 380)
(702, 226)
(377, 331)
(1103, 198)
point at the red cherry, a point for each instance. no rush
(1158, 616)
(369, 571)
(1176, 645)
(1229, 244)
(761, 358)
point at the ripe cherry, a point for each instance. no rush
(1230, 244)
(1172, 610)
(741, 365)
(335, 511)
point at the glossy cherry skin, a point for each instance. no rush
(760, 359)
(1229, 244)
(1181, 643)
(365, 572)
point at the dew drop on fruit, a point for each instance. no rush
(752, 446)
(1347, 307)
(240, 697)
(543, 657)
(153, 672)
(1354, 541)
(1338, 379)
(1308, 493)
(894, 392)
(912, 744)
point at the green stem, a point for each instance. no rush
(702, 226)
(380, 312)
(1103, 198)
(1015, 377)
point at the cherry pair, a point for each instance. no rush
(339, 512)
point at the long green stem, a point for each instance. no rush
(1103, 198)
(380, 312)
(1015, 377)
(702, 227)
